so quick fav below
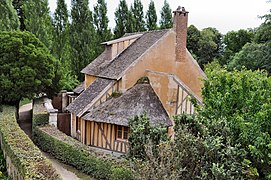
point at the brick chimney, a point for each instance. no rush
(180, 27)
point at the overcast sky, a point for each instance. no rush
(224, 15)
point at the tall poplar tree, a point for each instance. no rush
(37, 20)
(130, 26)
(137, 10)
(18, 7)
(101, 21)
(61, 43)
(8, 16)
(166, 16)
(151, 17)
(121, 19)
(82, 36)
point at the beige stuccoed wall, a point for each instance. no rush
(161, 58)
(89, 80)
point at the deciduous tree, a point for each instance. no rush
(82, 36)
(151, 17)
(243, 99)
(101, 21)
(8, 16)
(121, 19)
(137, 11)
(61, 43)
(37, 20)
(166, 16)
(193, 38)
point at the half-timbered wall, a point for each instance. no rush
(184, 97)
(103, 135)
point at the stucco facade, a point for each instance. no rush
(162, 57)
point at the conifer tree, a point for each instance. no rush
(37, 20)
(82, 36)
(151, 17)
(8, 16)
(121, 19)
(61, 44)
(100, 20)
(166, 16)
(137, 10)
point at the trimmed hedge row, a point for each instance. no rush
(84, 158)
(24, 155)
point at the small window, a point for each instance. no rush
(125, 133)
(122, 133)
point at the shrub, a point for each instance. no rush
(24, 155)
(82, 157)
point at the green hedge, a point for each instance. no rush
(84, 158)
(25, 156)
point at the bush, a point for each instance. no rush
(82, 157)
(24, 155)
(243, 99)
(3, 170)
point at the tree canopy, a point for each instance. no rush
(166, 16)
(138, 15)
(101, 21)
(151, 17)
(82, 38)
(121, 19)
(38, 20)
(26, 65)
(8, 16)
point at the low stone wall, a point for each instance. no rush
(23, 159)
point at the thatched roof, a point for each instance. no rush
(112, 69)
(87, 96)
(137, 100)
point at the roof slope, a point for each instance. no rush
(137, 100)
(88, 95)
(113, 69)
(80, 88)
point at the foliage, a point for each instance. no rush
(263, 33)
(234, 41)
(74, 153)
(38, 20)
(83, 37)
(138, 15)
(61, 43)
(24, 155)
(141, 132)
(8, 16)
(26, 67)
(18, 7)
(121, 19)
(166, 16)
(151, 17)
(210, 46)
(193, 38)
(194, 154)
(3, 169)
(101, 21)
(253, 56)
(243, 99)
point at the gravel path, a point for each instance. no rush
(26, 125)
